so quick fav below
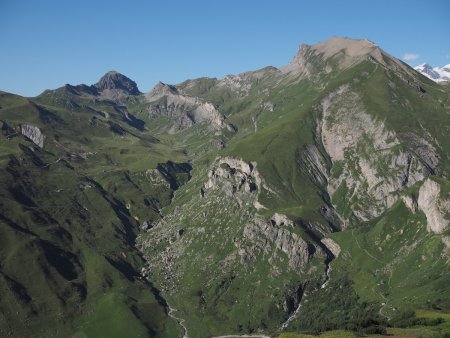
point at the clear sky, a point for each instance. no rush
(45, 44)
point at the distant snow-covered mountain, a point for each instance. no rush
(437, 74)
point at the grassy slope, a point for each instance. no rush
(73, 223)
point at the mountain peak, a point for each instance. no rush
(436, 74)
(353, 48)
(115, 81)
(164, 87)
(423, 66)
(161, 89)
(348, 52)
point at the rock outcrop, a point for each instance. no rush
(370, 165)
(435, 208)
(33, 133)
(236, 176)
(300, 64)
(313, 164)
(270, 238)
(410, 202)
(188, 110)
(331, 245)
(114, 81)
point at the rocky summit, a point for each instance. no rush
(116, 81)
(306, 198)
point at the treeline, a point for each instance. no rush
(408, 319)
(339, 307)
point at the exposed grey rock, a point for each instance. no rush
(434, 207)
(187, 110)
(446, 241)
(374, 166)
(313, 163)
(33, 133)
(113, 81)
(146, 225)
(340, 53)
(161, 89)
(424, 150)
(410, 202)
(258, 206)
(262, 237)
(268, 106)
(280, 219)
(299, 65)
(236, 177)
(231, 128)
(218, 143)
(332, 246)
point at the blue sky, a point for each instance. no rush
(45, 44)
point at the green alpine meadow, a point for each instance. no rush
(307, 200)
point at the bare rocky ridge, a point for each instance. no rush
(113, 81)
(348, 52)
(349, 47)
(112, 86)
(187, 110)
(342, 53)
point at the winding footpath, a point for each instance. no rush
(180, 321)
(367, 252)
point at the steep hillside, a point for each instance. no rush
(76, 188)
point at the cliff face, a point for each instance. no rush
(33, 133)
(436, 208)
(371, 166)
